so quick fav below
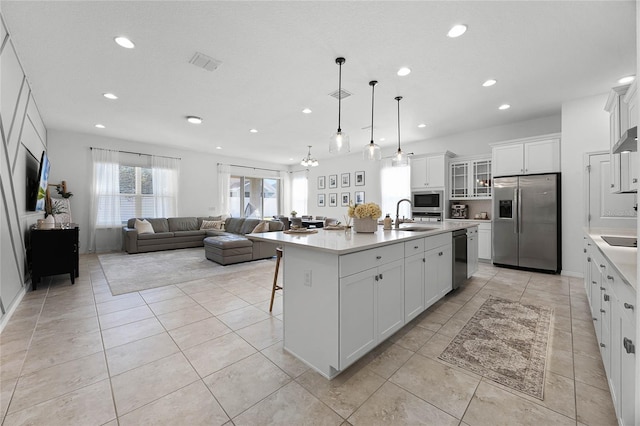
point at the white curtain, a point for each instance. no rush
(166, 173)
(395, 184)
(285, 198)
(105, 193)
(224, 176)
(299, 192)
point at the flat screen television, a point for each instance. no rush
(31, 181)
(43, 179)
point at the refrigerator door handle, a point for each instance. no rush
(515, 212)
(520, 210)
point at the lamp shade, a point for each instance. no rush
(339, 141)
(372, 151)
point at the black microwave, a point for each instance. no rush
(427, 201)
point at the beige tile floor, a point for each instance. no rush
(207, 352)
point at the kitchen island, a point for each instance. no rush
(347, 292)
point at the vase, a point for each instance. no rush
(365, 225)
(48, 222)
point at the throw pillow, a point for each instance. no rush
(261, 227)
(212, 224)
(143, 227)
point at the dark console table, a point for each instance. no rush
(54, 251)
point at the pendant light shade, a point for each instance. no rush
(400, 159)
(339, 141)
(308, 161)
(371, 150)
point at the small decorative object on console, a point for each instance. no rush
(365, 216)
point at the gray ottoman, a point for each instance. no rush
(228, 249)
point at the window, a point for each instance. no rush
(136, 192)
(253, 197)
(395, 184)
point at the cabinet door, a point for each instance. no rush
(431, 279)
(508, 160)
(435, 171)
(614, 136)
(419, 173)
(542, 156)
(627, 395)
(357, 316)
(390, 297)
(472, 253)
(413, 286)
(445, 269)
(484, 244)
(480, 184)
(459, 180)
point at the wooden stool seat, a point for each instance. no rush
(275, 277)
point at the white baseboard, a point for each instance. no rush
(5, 319)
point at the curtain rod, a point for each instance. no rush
(139, 153)
(249, 167)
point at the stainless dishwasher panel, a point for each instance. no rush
(459, 257)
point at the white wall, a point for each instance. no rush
(70, 158)
(585, 128)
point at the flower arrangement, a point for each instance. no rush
(294, 213)
(366, 210)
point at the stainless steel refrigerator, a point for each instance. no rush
(526, 222)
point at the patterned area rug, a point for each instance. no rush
(127, 273)
(505, 341)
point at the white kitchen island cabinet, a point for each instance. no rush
(345, 293)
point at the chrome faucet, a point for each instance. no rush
(397, 226)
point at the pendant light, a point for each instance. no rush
(308, 161)
(339, 142)
(400, 159)
(372, 151)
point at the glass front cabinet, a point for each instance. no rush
(470, 179)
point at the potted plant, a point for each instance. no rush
(293, 213)
(365, 216)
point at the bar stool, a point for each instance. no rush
(275, 277)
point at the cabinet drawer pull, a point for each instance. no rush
(584, 250)
(595, 319)
(602, 345)
(602, 289)
(594, 282)
(634, 180)
(601, 265)
(610, 277)
(415, 247)
(376, 277)
(588, 259)
(378, 257)
(629, 346)
(440, 254)
(603, 311)
(606, 297)
(424, 260)
(380, 276)
(628, 306)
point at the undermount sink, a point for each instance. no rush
(417, 229)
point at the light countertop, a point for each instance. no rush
(623, 259)
(341, 242)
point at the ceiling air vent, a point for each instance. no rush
(344, 94)
(201, 60)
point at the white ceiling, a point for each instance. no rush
(279, 57)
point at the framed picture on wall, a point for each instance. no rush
(359, 197)
(346, 180)
(333, 199)
(346, 198)
(333, 181)
(359, 176)
(321, 201)
(321, 182)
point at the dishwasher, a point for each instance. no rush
(459, 257)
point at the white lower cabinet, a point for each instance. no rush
(612, 303)
(371, 309)
(484, 241)
(414, 286)
(472, 251)
(439, 273)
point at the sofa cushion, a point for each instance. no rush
(201, 218)
(234, 224)
(261, 227)
(227, 241)
(212, 224)
(248, 226)
(155, 236)
(159, 224)
(143, 227)
(183, 224)
(199, 232)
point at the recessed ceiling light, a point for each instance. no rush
(627, 79)
(306, 111)
(125, 42)
(193, 119)
(421, 125)
(100, 126)
(404, 71)
(109, 96)
(504, 106)
(290, 159)
(253, 131)
(457, 31)
(381, 139)
(218, 147)
(489, 83)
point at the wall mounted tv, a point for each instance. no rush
(43, 180)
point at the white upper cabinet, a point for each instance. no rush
(470, 179)
(524, 157)
(429, 172)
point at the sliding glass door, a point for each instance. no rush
(254, 197)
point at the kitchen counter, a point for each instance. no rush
(343, 242)
(623, 259)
